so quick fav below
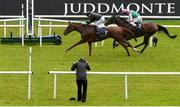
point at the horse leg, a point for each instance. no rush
(115, 44)
(139, 45)
(146, 42)
(125, 47)
(129, 45)
(90, 48)
(78, 43)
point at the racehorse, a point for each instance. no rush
(88, 34)
(147, 29)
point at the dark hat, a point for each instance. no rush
(72, 98)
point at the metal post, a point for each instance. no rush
(54, 86)
(126, 86)
(22, 28)
(102, 43)
(30, 32)
(27, 17)
(40, 37)
(39, 23)
(30, 70)
(40, 32)
(29, 86)
(30, 58)
(32, 16)
(95, 44)
(151, 41)
(50, 28)
(5, 29)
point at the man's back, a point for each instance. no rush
(81, 68)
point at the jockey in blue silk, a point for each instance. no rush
(134, 18)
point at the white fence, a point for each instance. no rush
(21, 25)
(40, 18)
(106, 16)
(29, 72)
(112, 73)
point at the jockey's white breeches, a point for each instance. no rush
(137, 19)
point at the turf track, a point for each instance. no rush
(102, 90)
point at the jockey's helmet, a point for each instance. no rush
(125, 11)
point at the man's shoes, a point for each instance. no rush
(72, 98)
(79, 99)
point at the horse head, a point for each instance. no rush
(69, 29)
(79, 27)
(117, 20)
(111, 20)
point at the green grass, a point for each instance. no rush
(106, 90)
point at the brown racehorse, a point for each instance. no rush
(147, 29)
(88, 35)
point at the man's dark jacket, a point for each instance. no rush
(81, 68)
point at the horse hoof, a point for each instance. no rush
(135, 49)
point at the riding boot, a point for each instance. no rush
(138, 29)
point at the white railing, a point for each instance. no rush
(106, 16)
(10, 16)
(40, 18)
(112, 73)
(21, 26)
(29, 72)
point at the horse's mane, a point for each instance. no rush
(124, 22)
(83, 24)
(123, 19)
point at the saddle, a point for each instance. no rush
(101, 33)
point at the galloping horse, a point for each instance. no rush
(147, 29)
(88, 34)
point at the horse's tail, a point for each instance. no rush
(161, 28)
(127, 33)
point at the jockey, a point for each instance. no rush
(99, 21)
(134, 17)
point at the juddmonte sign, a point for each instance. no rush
(106, 7)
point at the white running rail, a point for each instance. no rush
(29, 73)
(112, 73)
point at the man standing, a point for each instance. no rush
(81, 66)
